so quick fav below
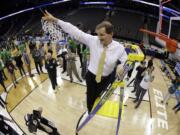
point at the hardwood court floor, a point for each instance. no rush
(66, 106)
(23, 88)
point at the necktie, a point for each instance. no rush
(100, 66)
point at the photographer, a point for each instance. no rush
(35, 121)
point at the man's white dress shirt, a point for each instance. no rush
(114, 52)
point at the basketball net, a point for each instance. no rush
(54, 31)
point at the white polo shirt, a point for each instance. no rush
(114, 52)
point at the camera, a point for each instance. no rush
(35, 121)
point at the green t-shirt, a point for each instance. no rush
(72, 43)
(5, 55)
(21, 47)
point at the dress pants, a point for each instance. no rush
(140, 94)
(21, 70)
(95, 89)
(71, 68)
(53, 78)
(38, 65)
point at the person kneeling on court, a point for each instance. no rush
(50, 65)
(35, 121)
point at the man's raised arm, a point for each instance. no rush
(73, 31)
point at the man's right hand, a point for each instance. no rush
(49, 17)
